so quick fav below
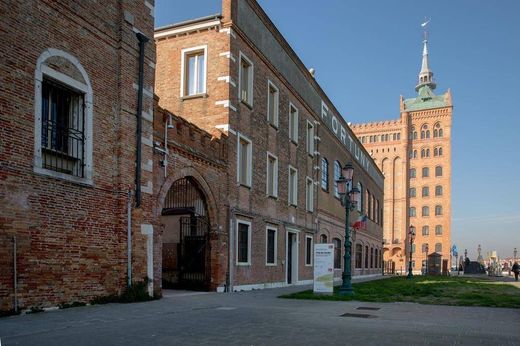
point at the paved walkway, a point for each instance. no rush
(260, 318)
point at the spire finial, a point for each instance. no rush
(426, 75)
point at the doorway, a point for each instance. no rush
(185, 240)
(292, 257)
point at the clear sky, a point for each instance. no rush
(366, 53)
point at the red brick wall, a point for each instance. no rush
(71, 238)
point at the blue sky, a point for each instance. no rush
(366, 53)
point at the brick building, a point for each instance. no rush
(69, 83)
(265, 193)
(414, 154)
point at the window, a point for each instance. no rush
(438, 230)
(293, 123)
(271, 246)
(243, 242)
(425, 230)
(399, 136)
(425, 191)
(63, 133)
(244, 160)
(309, 194)
(293, 186)
(424, 248)
(369, 205)
(62, 136)
(310, 138)
(438, 171)
(194, 64)
(438, 210)
(366, 256)
(337, 173)
(413, 248)
(272, 175)
(245, 80)
(412, 172)
(412, 212)
(323, 239)
(308, 250)
(437, 151)
(371, 257)
(425, 211)
(425, 132)
(272, 104)
(360, 201)
(425, 172)
(412, 192)
(376, 211)
(437, 130)
(324, 174)
(359, 255)
(438, 247)
(413, 133)
(438, 190)
(337, 253)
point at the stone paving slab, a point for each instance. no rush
(260, 318)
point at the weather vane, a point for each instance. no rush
(423, 25)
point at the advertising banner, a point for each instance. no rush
(323, 268)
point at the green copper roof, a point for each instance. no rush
(425, 99)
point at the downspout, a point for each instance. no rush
(129, 237)
(142, 40)
(15, 279)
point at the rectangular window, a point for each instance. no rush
(337, 253)
(412, 172)
(271, 246)
(243, 242)
(310, 138)
(244, 160)
(293, 123)
(245, 80)
(425, 191)
(308, 250)
(293, 186)
(194, 64)
(412, 192)
(309, 194)
(62, 136)
(272, 175)
(272, 104)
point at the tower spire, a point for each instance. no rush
(426, 75)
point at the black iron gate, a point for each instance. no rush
(194, 262)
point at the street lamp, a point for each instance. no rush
(411, 234)
(514, 254)
(427, 250)
(348, 197)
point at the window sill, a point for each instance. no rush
(63, 176)
(272, 197)
(195, 96)
(293, 205)
(243, 264)
(244, 185)
(293, 141)
(245, 103)
(271, 265)
(273, 125)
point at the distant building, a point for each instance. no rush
(414, 153)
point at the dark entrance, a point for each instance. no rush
(186, 245)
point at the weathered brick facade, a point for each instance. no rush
(71, 233)
(244, 29)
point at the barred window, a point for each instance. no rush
(324, 174)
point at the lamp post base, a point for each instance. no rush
(410, 275)
(346, 290)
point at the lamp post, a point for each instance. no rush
(348, 197)
(411, 234)
(427, 250)
(514, 254)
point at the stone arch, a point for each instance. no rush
(204, 186)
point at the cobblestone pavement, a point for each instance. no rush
(260, 318)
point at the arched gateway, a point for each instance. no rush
(185, 240)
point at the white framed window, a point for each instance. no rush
(244, 160)
(63, 126)
(293, 123)
(337, 174)
(360, 197)
(245, 80)
(271, 245)
(309, 194)
(293, 186)
(310, 138)
(243, 245)
(194, 64)
(324, 174)
(272, 175)
(273, 102)
(308, 250)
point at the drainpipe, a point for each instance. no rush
(142, 40)
(15, 280)
(129, 238)
(230, 253)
